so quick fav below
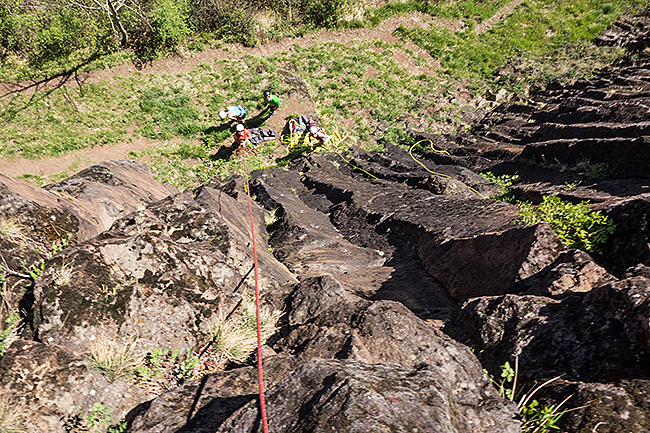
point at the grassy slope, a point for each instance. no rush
(358, 84)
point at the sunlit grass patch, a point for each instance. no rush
(235, 338)
(114, 360)
(536, 29)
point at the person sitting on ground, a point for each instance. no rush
(241, 134)
(233, 112)
(318, 133)
(272, 102)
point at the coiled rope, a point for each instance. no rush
(257, 311)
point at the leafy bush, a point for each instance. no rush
(325, 13)
(576, 224)
(398, 136)
(169, 22)
(228, 19)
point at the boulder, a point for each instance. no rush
(572, 271)
(110, 190)
(60, 390)
(348, 395)
(601, 335)
(155, 278)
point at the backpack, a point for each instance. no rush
(299, 125)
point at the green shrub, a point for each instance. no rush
(324, 13)
(169, 22)
(230, 20)
(576, 224)
(398, 136)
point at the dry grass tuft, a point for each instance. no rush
(64, 275)
(13, 416)
(271, 217)
(11, 229)
(235, 338)
(116, 361)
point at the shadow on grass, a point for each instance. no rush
(259, 119)
(50, 84)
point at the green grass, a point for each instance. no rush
(536, 35)
(358, 84)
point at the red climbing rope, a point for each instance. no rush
(257, 311)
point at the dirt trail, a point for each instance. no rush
(81, 159)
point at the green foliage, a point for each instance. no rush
(169, 112)
(98, 417)
(504, 183)
(537, 418)
(595, 171)
(165, 368)
(465, 9)
(576, 224)
(36, 269)
(120, 427)
(540, 419)
(232, 21)
(169, 19)
(6, 336)
(326, 13)
(398, 136)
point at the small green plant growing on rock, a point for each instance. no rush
(97, 417)
(165, 368)
(595, 171)
(10, 333)
(577, 225)
(504, 183)
(537, 418)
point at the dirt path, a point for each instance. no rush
(81, 159)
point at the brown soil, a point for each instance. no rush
(185, 62)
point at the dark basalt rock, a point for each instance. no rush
(343, 395)
(57, 387)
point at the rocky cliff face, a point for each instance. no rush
(399, 280)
